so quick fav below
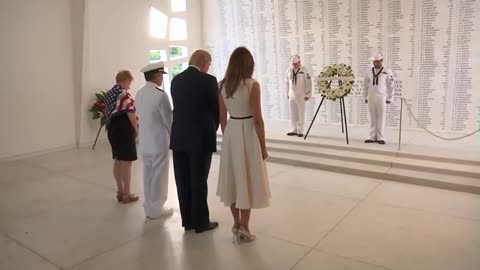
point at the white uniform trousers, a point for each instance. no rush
(297, 114)
(377, 108)
(155, 183)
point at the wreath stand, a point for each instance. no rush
(343, 116)
(343, 74)
(96, 138)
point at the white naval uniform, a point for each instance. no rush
(298, 85)
(377, 94)
(155, 122)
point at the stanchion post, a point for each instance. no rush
(400, 125)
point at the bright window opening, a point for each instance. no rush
(178, 29)
(158, 55)
(166, 84)
(178, 5)
(177, 69)
(158, 24)
(178, 52)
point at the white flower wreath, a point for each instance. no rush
(336, 72)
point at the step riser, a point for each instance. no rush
(374, 174)
(432, 183)
(439, 159)
(379, 163)
(330, 156)
(331, 147)
(324, 167)
(371, 151)
(435, 170)
(375, 162)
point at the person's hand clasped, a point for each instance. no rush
(366, 100)
(307, 98)
(388, 102)
(264, 154)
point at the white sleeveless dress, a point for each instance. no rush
(243, 177)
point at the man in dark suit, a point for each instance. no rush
(193, 139)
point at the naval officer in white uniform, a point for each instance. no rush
(298, 85)
(155, 122)
(378, 92)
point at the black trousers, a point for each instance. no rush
(191, 174)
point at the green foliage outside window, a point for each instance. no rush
(155, 56)
(178, 69)
(176, 52)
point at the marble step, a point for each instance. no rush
(379, 166)
(366, 149)
(389, 159)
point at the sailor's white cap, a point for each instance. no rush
(158, 66)
(377, 57)
(295, 59)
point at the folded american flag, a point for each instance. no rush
(117, 101)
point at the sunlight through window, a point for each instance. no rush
(158, 24)
(178, 5)
(177, 69)
(158, 55)
(178, 29)
(178, 52)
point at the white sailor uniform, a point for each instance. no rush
(298, 85)
(378, 89)
(155, 121)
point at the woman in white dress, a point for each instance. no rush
(243, 179)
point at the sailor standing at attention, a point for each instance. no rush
(378, 92)
(155, 122)
(298, 85)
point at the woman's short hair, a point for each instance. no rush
(123, 75)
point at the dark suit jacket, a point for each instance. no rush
(196, 113)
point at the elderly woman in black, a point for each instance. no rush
(122, 128)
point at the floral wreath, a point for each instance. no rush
(98, 112)
(98, 108)
(336, 72)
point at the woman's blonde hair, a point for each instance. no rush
(123, 75)
(240, 67)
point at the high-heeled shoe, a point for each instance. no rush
(236, 235)
(235, 228)
(129, 198)
(246, 235)
(119, 196)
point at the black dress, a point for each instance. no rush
(121, 136)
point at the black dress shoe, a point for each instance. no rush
(188, 228)
(291, 133)
(381, 142)
(300, 134)
(212, 225)
(369, 141)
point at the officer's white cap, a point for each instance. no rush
(377, 57)
(295, 59)
(158, 66)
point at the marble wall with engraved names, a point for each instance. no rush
(430, 45)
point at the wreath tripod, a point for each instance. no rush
(343, 116)
(344, 75)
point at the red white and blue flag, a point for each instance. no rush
(117, 101)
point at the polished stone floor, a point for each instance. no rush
(57, 211)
